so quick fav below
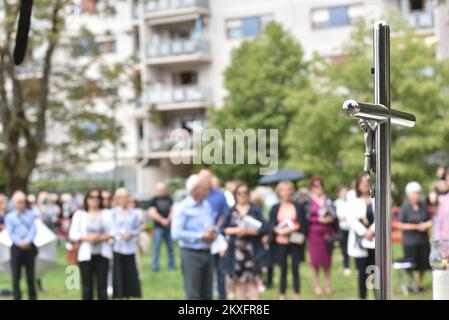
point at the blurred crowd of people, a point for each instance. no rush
(233, 241)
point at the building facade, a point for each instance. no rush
(185, 45)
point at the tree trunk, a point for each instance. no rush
(19, 159)
(14, 183)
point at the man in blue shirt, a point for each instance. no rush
(21, 226)
(217, 200)
(193, 227)
(3, 210)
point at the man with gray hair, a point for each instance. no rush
(217, 200)
(21, 226)
(193, 228)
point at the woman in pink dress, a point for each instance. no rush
(320, 217)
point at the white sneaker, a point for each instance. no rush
(110, 290)
(347, 272)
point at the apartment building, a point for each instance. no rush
(185, 45)
(442, 29)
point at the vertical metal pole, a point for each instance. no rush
(383, 161)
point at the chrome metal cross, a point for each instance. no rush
(375, 120)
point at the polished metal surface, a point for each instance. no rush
(377, 112)
(382, 217)
(375, 120)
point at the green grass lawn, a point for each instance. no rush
(167, 284)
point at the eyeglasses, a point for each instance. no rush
(316, 186)
(242, 193)
(94, 197)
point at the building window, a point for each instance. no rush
(108, 46)
(88, 6)
(83, 47)
(185, 78)
(87, 47)
(417, 5)
(89, 130)
(140, 130)
(135, 9)
(184, 32)
(136, 41)
(247, 27)
(336, 16)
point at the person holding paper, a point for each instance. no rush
(360, 217)
(321, 217)
(244, 227)
(288, 226)
(193, 227)
(217, 200)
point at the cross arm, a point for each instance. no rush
(377, 112)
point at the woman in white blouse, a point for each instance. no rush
(360, 218)
(91, 228)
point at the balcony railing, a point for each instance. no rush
(165, 140)
(178, 47)
(159, 5)
(135, 12)
(139, 102)
(420, 19)
(168, 95)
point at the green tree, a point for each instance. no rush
(323, 141)
(42, 94)
(262, 72)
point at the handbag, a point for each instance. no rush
(71, 254)
(143, 241)
(72, 248)
(359, 239)
(297, 238)
(334, 241)
(361, 242)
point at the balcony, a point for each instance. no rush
(162, 144)
(420, 19)
(181, 97)
(135, 11)
(159, 12)
(178, 52)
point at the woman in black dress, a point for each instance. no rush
(415, 221)
(126, 283)
(245, 255)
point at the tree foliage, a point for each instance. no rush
(43, 94)
(270, 86)
(262, 72)
(323, 141)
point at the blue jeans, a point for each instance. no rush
(159, 235)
